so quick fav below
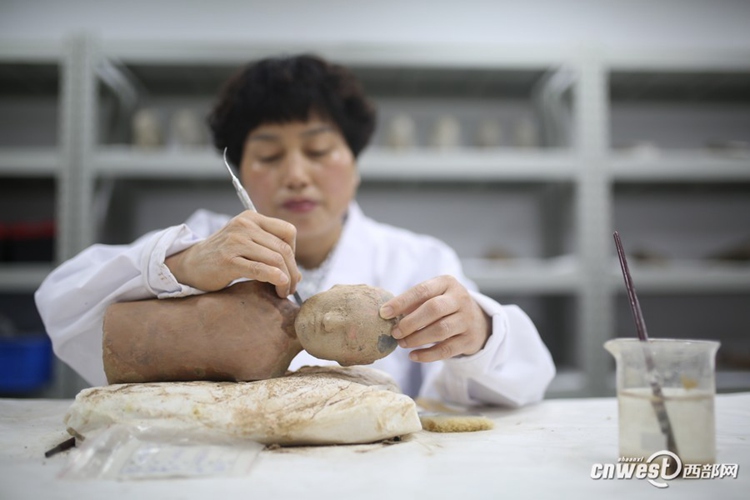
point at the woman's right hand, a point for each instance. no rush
(250, 246)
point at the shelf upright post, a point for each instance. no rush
(594, 216)
(75, 185)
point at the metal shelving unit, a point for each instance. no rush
(683, 77)
(27, 69)
(589, 165)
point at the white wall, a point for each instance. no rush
(635, 23)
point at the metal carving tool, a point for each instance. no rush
(248, 203)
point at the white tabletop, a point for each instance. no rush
(542, 451)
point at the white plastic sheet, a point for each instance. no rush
(130, 453)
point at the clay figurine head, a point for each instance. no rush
(343, 324)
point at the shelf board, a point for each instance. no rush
(682, 166)
(193, 67)
(380, 81)
(129, 162)
(467, 164)
(29, 162)
(30, 51)
(678, 60)
(212, 52)
(377, 164)
(686, 277)
(22, 276)
(551, 276)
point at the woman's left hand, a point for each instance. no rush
(441, 314)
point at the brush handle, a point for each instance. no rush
(640, 324)
(635, 306)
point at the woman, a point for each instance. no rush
(294, 127)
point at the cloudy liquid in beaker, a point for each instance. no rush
(691, 414)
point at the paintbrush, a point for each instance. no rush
(640, 325)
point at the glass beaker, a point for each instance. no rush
(686, 372)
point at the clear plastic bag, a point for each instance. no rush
(134, 453)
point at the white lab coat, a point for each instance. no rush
(513, 369)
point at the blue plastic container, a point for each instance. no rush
(25, 363)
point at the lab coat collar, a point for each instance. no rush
(354, 254)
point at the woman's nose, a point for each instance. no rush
(297, 171)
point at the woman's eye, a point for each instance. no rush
(270, 158)
(317, 153)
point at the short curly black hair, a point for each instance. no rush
(287, 89)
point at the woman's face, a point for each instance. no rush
(301, 172)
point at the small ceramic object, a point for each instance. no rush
(446, 133)
(401, 133)
(147, 129)
(187, 129)
(489, 133)
(525, 134)
(642, 150)
(728, 147)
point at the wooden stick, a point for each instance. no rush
(65, 445)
